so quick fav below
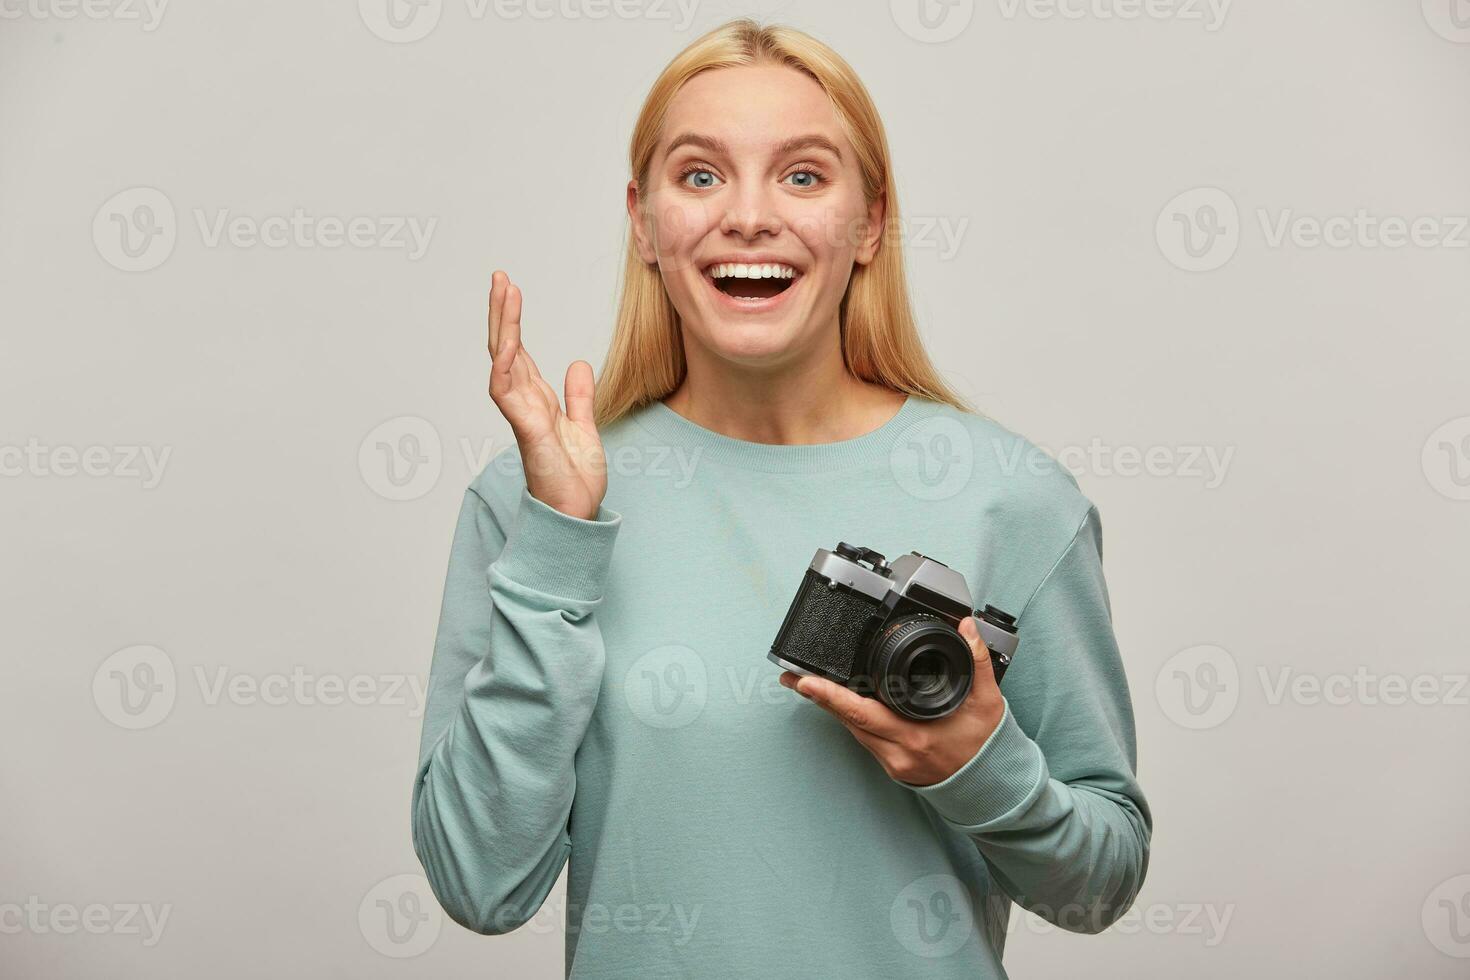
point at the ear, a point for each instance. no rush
(640, 228)
(873, 234)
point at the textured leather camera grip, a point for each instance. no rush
(824, 625)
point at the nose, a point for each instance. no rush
(750, 211)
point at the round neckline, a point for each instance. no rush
(668, 426)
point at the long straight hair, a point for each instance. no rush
(879, 339)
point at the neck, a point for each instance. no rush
(802, 403)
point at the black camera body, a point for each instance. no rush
(889, 632)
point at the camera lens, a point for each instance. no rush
(927, 673)
(922, 667)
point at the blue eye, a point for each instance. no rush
(813, 178)
(696, 173)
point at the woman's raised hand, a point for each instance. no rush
(560, 451)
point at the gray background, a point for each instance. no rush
(1326, 547)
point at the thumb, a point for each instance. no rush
(578, 391)
(984, 669)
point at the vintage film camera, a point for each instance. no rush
(890, 633)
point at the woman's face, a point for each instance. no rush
(753, 169)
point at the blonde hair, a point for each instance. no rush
(880, 341)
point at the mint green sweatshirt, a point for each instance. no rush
(600, 698)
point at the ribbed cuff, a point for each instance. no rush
(999, 778)
(557, 553)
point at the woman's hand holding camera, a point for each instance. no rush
(920, 753)
(560, 451)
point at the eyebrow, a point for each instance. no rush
(791, 145)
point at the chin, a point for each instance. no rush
(749, 343)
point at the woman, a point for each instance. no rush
(613, 707)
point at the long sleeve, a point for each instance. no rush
(1051, 800)
(518, 664)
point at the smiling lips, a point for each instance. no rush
(751, 286)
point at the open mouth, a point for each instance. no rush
(752, 285)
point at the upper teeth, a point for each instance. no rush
(737, 271)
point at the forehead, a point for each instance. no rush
(751, 108)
